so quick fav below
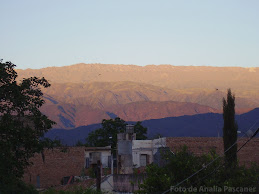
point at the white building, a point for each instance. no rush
(143, 151)
(93, 154)
(132, 153)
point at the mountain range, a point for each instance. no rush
(199, 125)
(168, 76)
(84, 94)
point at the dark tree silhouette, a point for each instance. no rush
(230, 131)
(22, 126)
(110, 128)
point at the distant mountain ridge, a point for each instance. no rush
(139, 111)
(169, 76)
(71, 116)
(105, 94)
(200, 125)
(185, 79)
(84, 94)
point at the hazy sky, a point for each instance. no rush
(41, 33)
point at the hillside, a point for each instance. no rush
(84, 94)
(105, 94)
(139, 111)
(75, 104)
(200, 125)
(189, 83)
(70, 116)
(175, 77)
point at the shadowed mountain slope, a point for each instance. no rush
(84, 94)
(70, 116)
(105, 94)
(200, 125)
(139, 111)
(75, 104)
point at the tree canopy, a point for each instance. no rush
(184, 163)
(230, 130)
(22, 125)
(107, 135)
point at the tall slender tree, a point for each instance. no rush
(230, 130)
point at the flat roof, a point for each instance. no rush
(107, 148)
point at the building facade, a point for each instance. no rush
(93, 154)
(132, 153)
(144, 151)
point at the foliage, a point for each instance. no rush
(76, 190)
(180, 165)
(110, 128)
(230, 130)
(106, 171)
(184, 163)
(91, 172)
(22, 125)
(48, 143)
(14, 186)
(82, 172)
(79, 144)
(140, 131)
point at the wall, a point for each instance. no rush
(104, 156)
(125, 164)
(200, 145)
(56, 166)
(161, 142)
(124, 147)
(141, 147)
(124, 157)
(127, 182)
(148, 147)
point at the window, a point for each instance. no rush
(143, 159)
(87, 163)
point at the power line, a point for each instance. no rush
(230, 157)
(204, 167)
(216, 158)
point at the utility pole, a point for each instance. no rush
(111, 157)
(98, 176)
(112, 164)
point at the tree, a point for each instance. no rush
(230, 130)
(179, 166)
(79, 144)
(22, 126)
(184, 163)
(107, 135)
(140, 131)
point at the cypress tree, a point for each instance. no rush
(230, 131)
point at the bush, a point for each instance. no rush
(17, 186)
(77, 190)
(91, 172)
(184, 163)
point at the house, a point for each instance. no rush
(93, 154)
(144, 152)
(132, 153)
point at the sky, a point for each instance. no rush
(41, 33)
